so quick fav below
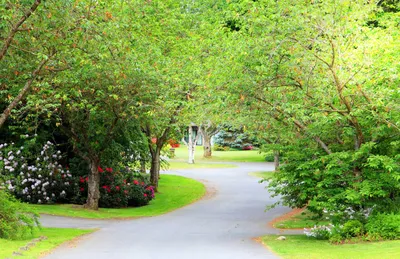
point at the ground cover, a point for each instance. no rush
(174, 192)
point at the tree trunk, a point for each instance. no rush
(276, 160)
(206, 144)
(93, 186)
(155, 168)
(191, 146)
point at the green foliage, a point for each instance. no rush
(16, 219)
(352, 228)
(383, 226)
(218, 147)
(118, 189)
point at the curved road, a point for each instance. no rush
(217, 227)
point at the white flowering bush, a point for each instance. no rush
(35, 179)
(319, 232)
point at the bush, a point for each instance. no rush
(217, 147)
(383, 226)
(352, 228)
(319, 232)
(16, 220)
(39, 179)
(119, 189)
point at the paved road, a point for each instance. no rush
(217, 227)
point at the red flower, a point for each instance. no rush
(135, 182)
(81, 179)
(109, 169)
(124, 181)
(87, 179)
(145, 195)
(142, 183)
(100, 169)
(104, 187)
(126, 192)
(81, 189)
(117, 188)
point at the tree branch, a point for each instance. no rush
(15, 28)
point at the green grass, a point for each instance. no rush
(301, 220)
(184, 165)
(181, 154)
(55, 237)
(262, 174)
(174, 192)
(301, 247)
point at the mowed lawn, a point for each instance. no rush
(174, 192)
(181, 154)
(303, 247)
(54, 237)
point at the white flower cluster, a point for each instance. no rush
(36, 180)
(319, 232)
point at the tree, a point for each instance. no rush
(313, 77)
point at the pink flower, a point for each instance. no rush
(100, 169)
(145, 195)
(135, 182)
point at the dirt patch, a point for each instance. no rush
(285, 217)
(211, 191)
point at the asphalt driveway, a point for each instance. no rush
(222, 225)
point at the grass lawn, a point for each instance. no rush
(181, 154)
(262, 174)
(300, 220)
(55, 237)
(184, 165)
(174, 192)
(301, 247)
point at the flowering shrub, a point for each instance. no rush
(119, 189)
(319, 232)
(35, 180)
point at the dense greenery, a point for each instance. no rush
(17, 220)
(110, 82)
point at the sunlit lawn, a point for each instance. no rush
(181, 154)
(262, 174)
(184, 165)
(303, 247)
(55, 237)
(174, 192)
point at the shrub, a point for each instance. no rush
(319, 232)
(16, 220)
(352, 228)
(119, 189)
(217, 147)
(383, 226)
(39, 179)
